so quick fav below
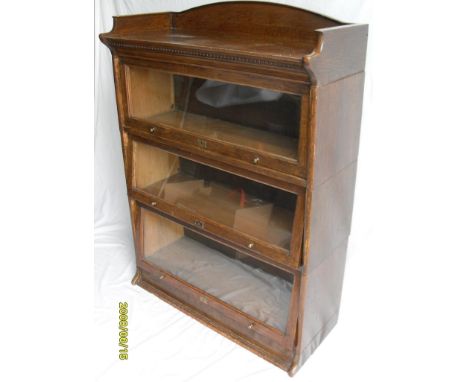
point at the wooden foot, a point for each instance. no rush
(137, 277)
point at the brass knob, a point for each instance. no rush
(161, 277)
(251, 245)
(152, 130)
(154, 204)
(256, 160)
(202, 143)
(251, 325)
(199, 224)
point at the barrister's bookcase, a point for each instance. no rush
(240, 128)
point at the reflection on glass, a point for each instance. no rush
(259, 119)
(261, 211)
(254, 287)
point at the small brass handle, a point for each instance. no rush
(152, 130)
(202, 143)
(154, 204)
(251, 325)
(161, 277)
(256, 160)
(199, 223)
(251, 245)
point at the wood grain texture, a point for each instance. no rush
(203, 66)
(242, 164)
(154, 225)
(258, 158)
(247, 33)
(263, 19)
(258, 148)
(230, 236)
(158, 232)
(329, 205)
(268, 46)
(149, 92)
(152, 165)
(340, 52)
(221, 203)
(322, 301)
(338, 113)
(144, 22)
(332, 204)
(216, 309)
(219, 326)
(230, 133)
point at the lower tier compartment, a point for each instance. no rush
(262, 295)
(281, 355)
(252, 298)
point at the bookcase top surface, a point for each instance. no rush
(253, 36)
(256, 29)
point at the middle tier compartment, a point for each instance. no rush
(252, 215)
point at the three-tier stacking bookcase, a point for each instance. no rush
(240, 129)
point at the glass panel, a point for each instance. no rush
(256, 288)
(253, 208)
(260, 119)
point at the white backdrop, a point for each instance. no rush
(404, 305)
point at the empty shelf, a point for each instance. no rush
(264, 296)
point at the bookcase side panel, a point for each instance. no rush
(334, 145)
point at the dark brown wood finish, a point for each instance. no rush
(247, 243)
(288, 50)
(282, 339)
(271, 355)
(277, 36)
(274, 178)
(340, 52)
(251, 158)
(329, 202)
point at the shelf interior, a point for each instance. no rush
(260, 120)
(252, 208)
(264, 31)
(235, 134)
(259, 290)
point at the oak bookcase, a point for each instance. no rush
(240, 130)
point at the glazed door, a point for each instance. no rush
(256, 217)
(256, 127)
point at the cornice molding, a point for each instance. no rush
(207, 55)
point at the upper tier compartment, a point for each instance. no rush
(270, 36)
